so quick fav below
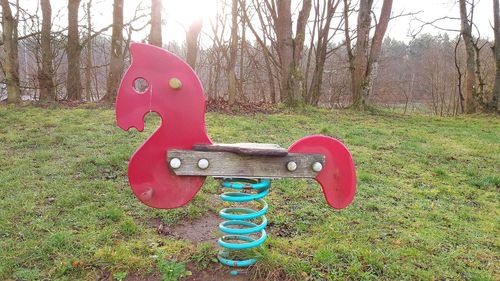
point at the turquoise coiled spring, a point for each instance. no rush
(238, 226)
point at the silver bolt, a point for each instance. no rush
(203, 164)
(175, 163)
(317, 167)
(291, 166)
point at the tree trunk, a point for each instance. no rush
(360, 60)
(233, 49)
(192, 41)
(241, 82)
(365, 61)
(116, 65)
(496, 50)
(376, 47)
(284, 36)
(272, 87)
(297, 82)
(88, 64)
(155, 33)
(350, 54)
(11, 63)
(290, 49)
(73, 50)
(470, 75)
(459, 78)
(321, 52)
(480, 97)
(367, 85)
(45, 74)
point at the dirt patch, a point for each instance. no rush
(214, 273)
(108, 276)
(136, 277)
(284, 230)
(105, 275)
(204, 229)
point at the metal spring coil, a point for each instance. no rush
(238, 227)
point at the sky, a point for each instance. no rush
(178, 14)
(434, 9)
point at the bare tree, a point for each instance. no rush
(233, 49)
(269, 57)
(46, 72)
(470, 74)
(243, 51)
(116, 65)
(322, 23)
(459, 75)
(155, 33)
(192, 41)
(89, 57)
(289, 47)
(73, 50)
(348, 45)
(275, 18)
(366, 55)
(216, 54)
(10, 64)
(496, 50)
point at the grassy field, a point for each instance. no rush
(427, 205)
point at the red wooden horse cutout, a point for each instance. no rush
(175, 93)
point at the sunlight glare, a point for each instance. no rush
(185, 12)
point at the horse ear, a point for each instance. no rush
(135, 50)
(141, 53)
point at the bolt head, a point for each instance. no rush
(203, 164)
(175, 83)
(317, 167)
(175, 163)
(291, 166)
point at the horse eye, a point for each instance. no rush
(140, 85)
(175, 83)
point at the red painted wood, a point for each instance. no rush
(182, 112)
(338, 177)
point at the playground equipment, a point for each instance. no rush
(169, 168)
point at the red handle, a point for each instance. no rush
(338, 176)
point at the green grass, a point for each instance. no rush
(427, 205)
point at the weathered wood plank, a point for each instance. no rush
(262, 149)
(227, 164)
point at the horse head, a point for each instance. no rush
(171, 88)
(174, 92)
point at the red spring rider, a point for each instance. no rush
(169, 168)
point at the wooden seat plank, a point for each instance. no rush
(227, 164)
(248, 149)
